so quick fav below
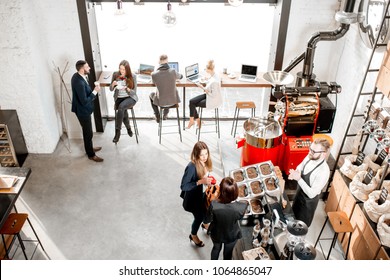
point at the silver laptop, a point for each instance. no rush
(174, 65)
(145, 73)
(248, 73)
(192, 73)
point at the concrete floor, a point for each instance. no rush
(127, 207)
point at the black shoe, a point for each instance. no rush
(130, 132)
(165, 117)
(200, 244)
(117, 135)
(157, 119)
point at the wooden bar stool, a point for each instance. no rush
(242, 105)
(216, 112)
(160, 125)
(13, 226)
(340, 224)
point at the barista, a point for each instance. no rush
(312, 175)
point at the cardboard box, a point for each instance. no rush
(382, 254)
(383, 80)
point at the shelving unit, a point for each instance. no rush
(7, 152)
(13, 149)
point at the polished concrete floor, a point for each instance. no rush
(127, 207)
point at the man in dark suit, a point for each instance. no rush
(83, 106)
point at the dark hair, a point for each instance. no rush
(80, 64)
(228, 190)
(128, 75)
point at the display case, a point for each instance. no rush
(13, 150)
(7, 152)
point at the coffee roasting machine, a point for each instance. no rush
(284, 137)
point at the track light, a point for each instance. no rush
(235, 3)
(169, 17)
(119, 8)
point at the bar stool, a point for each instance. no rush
(160, 125)
(242, 105)
(135, 127)
(338, 208)
(216, 112)
(13, 226)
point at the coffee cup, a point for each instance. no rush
(97, 83)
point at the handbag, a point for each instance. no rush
(212, 192)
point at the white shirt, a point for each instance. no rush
(318, 179)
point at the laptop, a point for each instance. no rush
(145, 73)
(248, 73)
(174, 65)
(192, 73)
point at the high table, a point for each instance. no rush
(8, 197)
(106, 76)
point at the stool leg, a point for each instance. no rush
(235, 129)
(178, 122)
(234, 119)
(217, 119)
(200, 118)
(322, 229)
(160, 125)
(22, 245)
(134, 125)
(5, 247)
(349, 242)
(333, 243)
(254, 112)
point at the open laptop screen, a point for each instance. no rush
(146, 69)
(192, 70)
(249, 70)
(174, 65)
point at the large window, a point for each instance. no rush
(229, 35)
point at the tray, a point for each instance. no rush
(252, 172)
(246, 191)
(252, 204)
(261, 167)
(254, 185)
(238, 175)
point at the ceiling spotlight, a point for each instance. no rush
(119, 8)
(169, 17)
(235, 3)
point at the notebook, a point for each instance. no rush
(174, 65)
(248, 73)
(192, 73)
(145, 73)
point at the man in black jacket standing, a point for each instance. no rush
(83, 105)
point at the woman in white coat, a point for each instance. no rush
(210, 99)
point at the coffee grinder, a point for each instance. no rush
(296, 233)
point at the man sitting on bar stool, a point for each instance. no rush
(166, 94)
(312, 175)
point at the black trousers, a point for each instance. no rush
(86, 126)
(155, 108)
(227, 250)
(197, 101)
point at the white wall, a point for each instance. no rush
(343, 61)
(34, 35)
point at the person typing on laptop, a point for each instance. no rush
(166, 93)
(211, 98)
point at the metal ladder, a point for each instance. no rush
(362, 116)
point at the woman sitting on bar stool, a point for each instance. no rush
(211, 98)
(124, 84)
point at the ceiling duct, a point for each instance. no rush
(306, 78)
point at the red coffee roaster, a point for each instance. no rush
(262, 141)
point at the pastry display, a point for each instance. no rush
(238, 176)
(251, 172)
(242, 191)
(270, 184)
(256, 206)
(256, 187)
(265, 169)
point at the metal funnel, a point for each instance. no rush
(278, 78)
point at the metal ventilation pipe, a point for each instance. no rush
(306, 78)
